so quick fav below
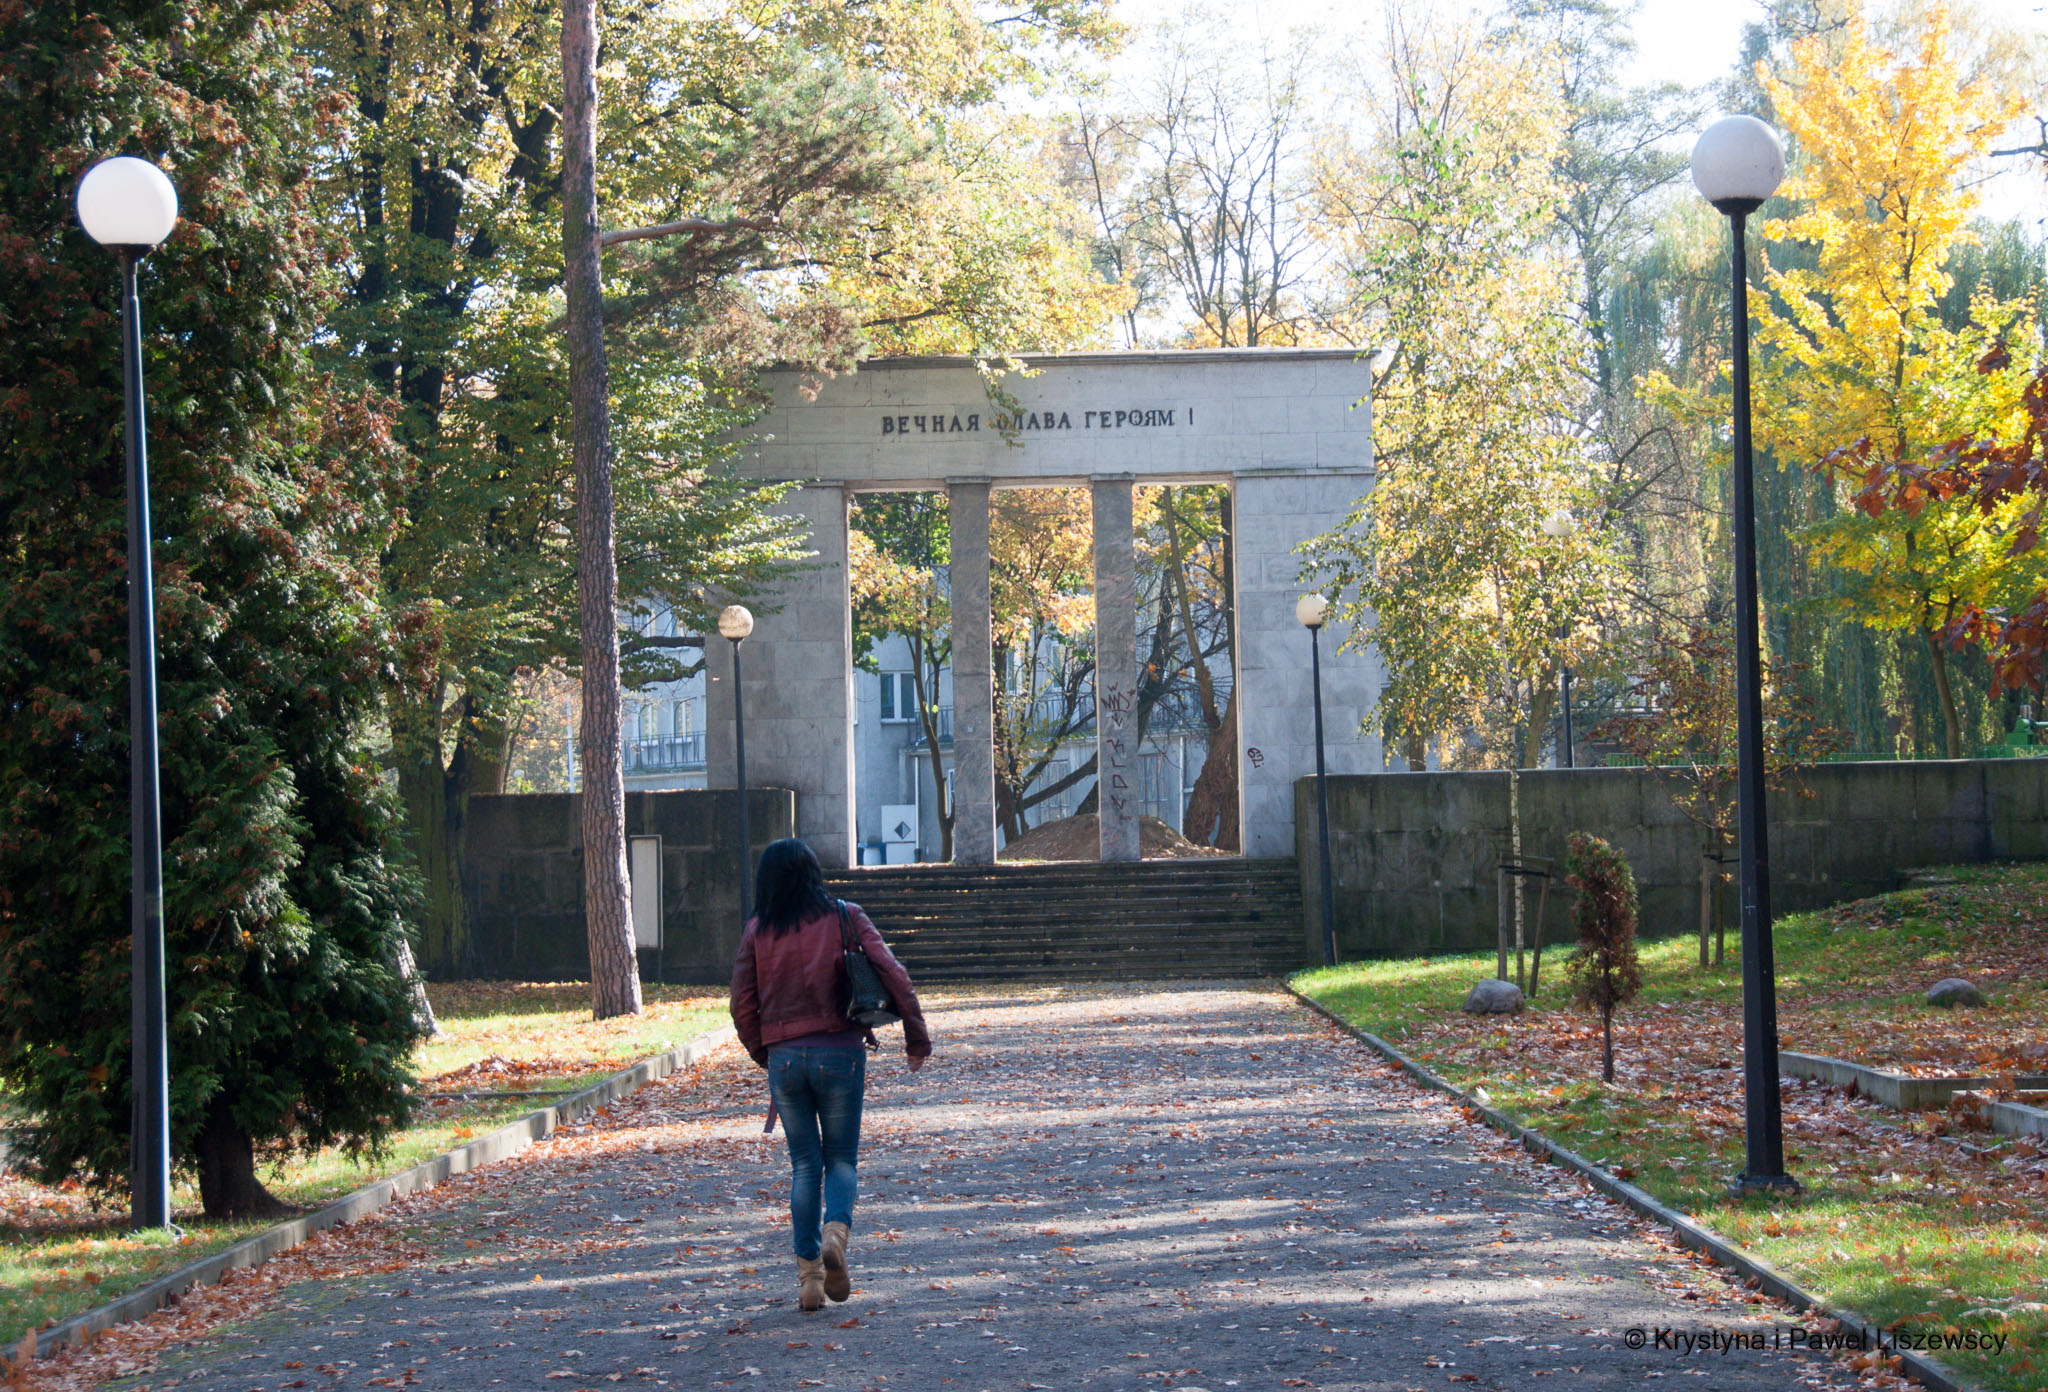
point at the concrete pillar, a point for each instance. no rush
(1272, 514)
(718, 747)
(798, 674)
(974, 741)
(1119, 796)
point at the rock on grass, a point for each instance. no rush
(1954, 990)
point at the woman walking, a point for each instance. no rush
(789, 1006)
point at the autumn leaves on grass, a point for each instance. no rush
(1907, 1217)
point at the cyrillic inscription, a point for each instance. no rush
(903, 426)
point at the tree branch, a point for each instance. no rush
(637, 642)
(690, 227)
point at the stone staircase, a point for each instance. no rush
(1083, 921)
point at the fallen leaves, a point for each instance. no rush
(709, 1214)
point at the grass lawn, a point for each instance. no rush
(1914, 1220)
(60, 1255)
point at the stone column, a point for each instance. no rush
(798, 674)
(974, 742)
(1272, 514)
(1118, 797)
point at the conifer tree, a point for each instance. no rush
(289, 1026)
(1605, 973)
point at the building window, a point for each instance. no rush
(1060, 804)
(1156, 796)
(899, 696)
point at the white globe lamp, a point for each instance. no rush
(1738, 163)
(1311, 610)
(127, 202)
(736, 622)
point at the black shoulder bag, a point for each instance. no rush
(868, 1003)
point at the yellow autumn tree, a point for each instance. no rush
(1859, 365)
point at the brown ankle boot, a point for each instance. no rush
(838, 1284)
(810, 1287)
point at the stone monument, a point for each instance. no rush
(1290, 432)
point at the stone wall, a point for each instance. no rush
(522, 880)
(1415, 854)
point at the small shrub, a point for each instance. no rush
(1604, 973)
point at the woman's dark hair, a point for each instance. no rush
(789, 887)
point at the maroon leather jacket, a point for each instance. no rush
(792, 984)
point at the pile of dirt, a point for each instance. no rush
(1078, 838)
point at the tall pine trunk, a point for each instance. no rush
(607, 904)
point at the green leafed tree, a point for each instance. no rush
(443, 196)
(865, 201)
(289, 1025)
(1444, 219)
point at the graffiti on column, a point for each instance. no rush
(1116, 706)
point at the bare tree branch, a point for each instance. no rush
(689, 227)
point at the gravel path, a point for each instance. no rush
(1196, 1188)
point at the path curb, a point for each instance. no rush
(501, 1144)
(1928, 1371)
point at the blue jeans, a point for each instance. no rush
(818, 1092)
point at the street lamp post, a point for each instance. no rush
(736, 621)
(1557, 526)
(128, 206)
(1737, 165)
(1311, 610)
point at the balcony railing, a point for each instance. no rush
(944, 722)
(664, 753)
